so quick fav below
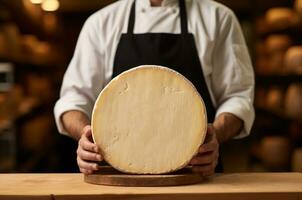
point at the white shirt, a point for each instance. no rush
(221, 49)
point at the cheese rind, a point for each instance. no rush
(149, 120)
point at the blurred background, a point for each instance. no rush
(37, 40)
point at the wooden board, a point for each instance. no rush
(109, 176)
(236, 186)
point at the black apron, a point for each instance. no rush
(176, 51)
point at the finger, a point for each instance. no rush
(87, 130)
(203, 159)
(210, 129)
(86, 139)
(85, 144)
(87, 165)
(207, 147)
(205, 170)
(86, 155)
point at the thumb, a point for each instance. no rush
(210, 133)
(87, 131)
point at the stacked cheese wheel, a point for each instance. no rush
(275, 152)
(277, 43)
(279, 55)
(293, 101)
(298, 7)
(275, 57)
(281, 18)
(293, 60)
(274, 99)
(276, 47)
(149, 120)
(271, 99)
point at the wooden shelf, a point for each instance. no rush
(264, 80)
(294, 32)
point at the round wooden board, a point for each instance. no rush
(109, 176)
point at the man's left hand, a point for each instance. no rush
(206, 160)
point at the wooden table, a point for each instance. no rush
(221, 186)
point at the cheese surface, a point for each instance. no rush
(149, 120)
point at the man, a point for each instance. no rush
(201, 39)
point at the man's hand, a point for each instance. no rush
(87, 153)
(206, 160)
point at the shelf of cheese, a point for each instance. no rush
(278, 95)
(28, 49)
(275, 152)
(277, 80)
(280, 20)
(277, 56)
(283, 101)
(279, 62)
(293, 60)
(21, 100)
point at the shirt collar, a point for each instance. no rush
(165, 3)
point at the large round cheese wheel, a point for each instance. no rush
(293, 60)
(149, 120)
(281, 18)
(293, 101)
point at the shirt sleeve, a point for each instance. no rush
(84, 77)
(232, 77)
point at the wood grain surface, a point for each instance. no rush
(221, 186)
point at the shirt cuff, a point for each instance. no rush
(60, 108)
(241, 108)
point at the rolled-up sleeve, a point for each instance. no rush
(84, 77)
(232, 77)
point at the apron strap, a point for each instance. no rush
(183, 18)
(131, 19)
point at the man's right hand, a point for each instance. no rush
(88, 153)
